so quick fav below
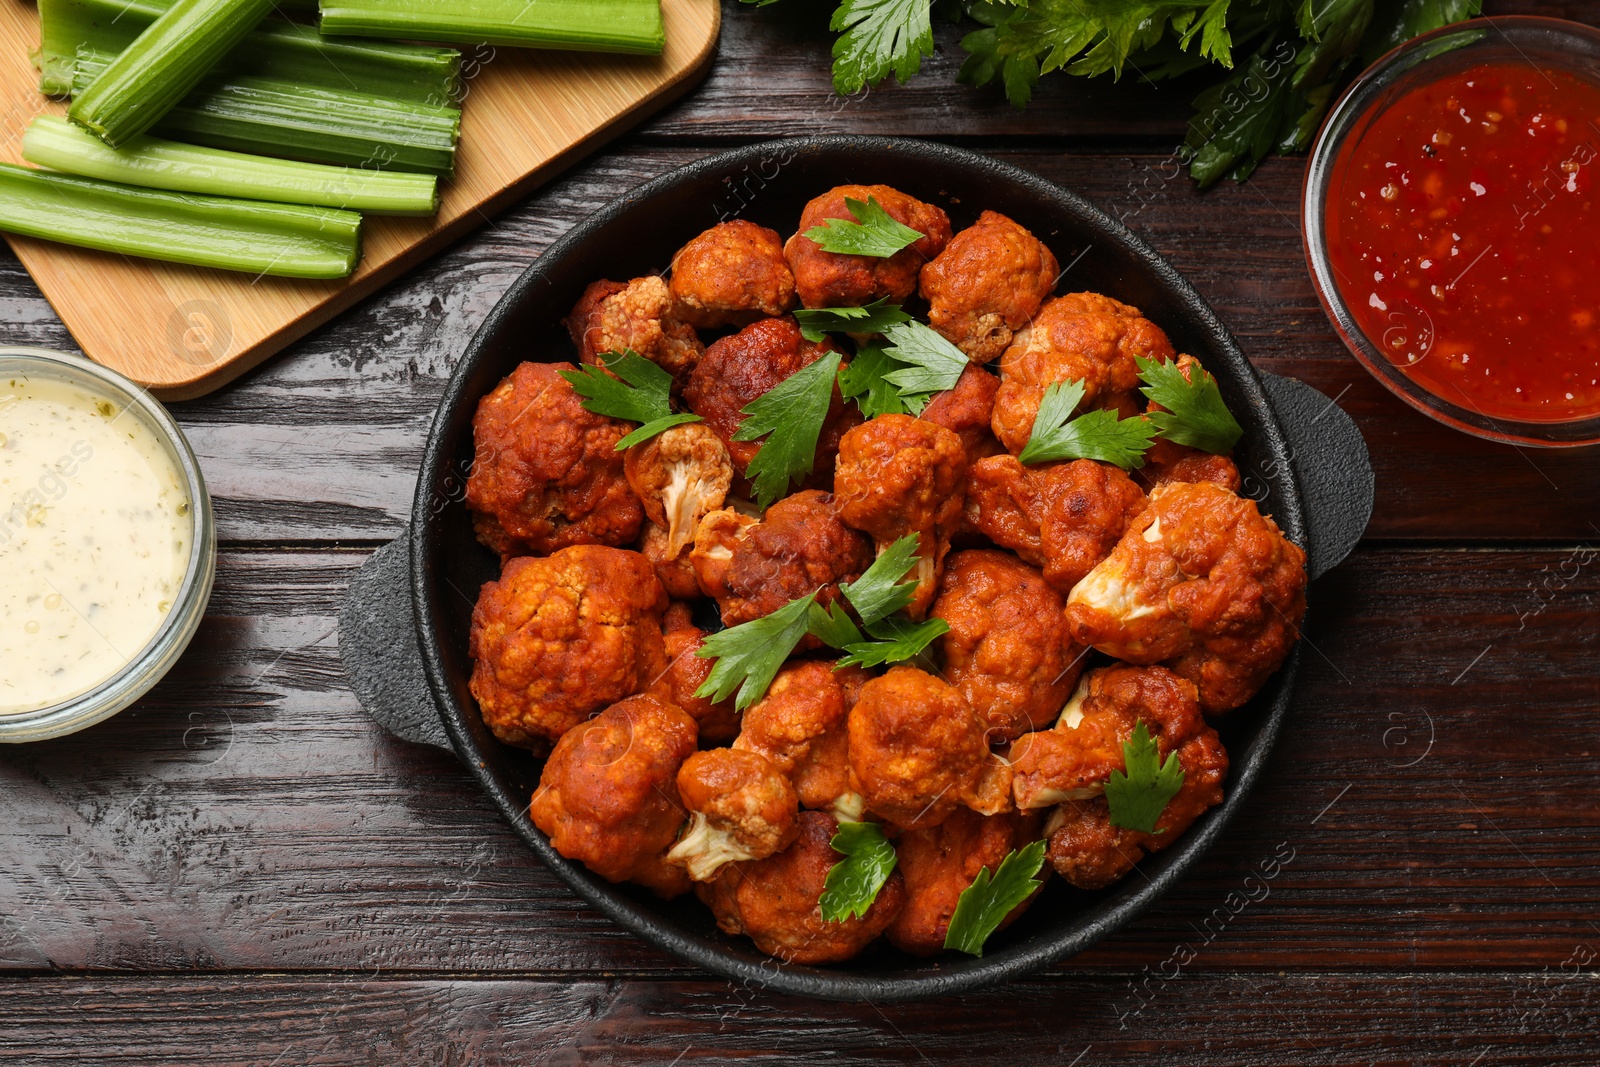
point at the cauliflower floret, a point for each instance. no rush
(918, 752)
(679, 476)
(940, 862)
(608, 796)
(831, 279)
(775, 901)
(557, 638)
(896, 476)
(686, 673)
(1009, 651)
(1202, 582)
(740, 808)
(800, 726)
(676, 572)
(990, 281)
(968, 408)
(1078, 337)
(613, 317)
(731, 275)
(545, 472)
(1063, 518)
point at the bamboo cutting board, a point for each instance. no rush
(184, 331)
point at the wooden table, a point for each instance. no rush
(243, 869)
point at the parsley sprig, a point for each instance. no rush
(817, 323)
(748, 655)
(864, 382)
(984, 904)
(1093, 435)
(852, 884)
(790, 416)
(1137, 798)
(1196, 414)
(877, 595)
(644, 394)
(880, 37)
(871, 231)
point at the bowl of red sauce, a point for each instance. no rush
(1452, 223)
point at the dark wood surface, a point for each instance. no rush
(243, 869)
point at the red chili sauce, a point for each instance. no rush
(1464, 233)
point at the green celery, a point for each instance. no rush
(163, 63)
(155, 164)
(267, 117)
(632, 26)
(285, 240)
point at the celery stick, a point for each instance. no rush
(160, 67)
(155, 164)
(584, 25)
(286, 240)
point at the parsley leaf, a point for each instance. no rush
(1196, 414)
(880, 36)
(1136, 799)
(872, 232)
(833, 626)
(876, 596)
(792, 412)
(1092, 435)
(985, 903)
(748, 655)
(853, 883)
(644, 394)
(897, 640)
(935, 363)
(879, 592)
(816, 323)
(863, 381)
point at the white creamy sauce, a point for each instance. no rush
(94, 540)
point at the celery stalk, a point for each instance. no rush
(155, 164)
(267, 117)
(162, 64)
(584, 25)
(286, 240)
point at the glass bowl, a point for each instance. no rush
(1548, 43)
(161, 651)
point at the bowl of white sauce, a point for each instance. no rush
(107, 543)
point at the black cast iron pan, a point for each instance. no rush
(1301, 458)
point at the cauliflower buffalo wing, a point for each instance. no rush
(687, 672)
(737, 370)
(559, 637)
(612, 317)
(679, 476)
(1081, 336)
(1202, 582)
(832, 279)
(731, 275)
(676, 573)
(918, 752)
(940, 862)
(968, 409)
(740, 808)
(1063, 518)
(775, 901)
(989, 282)
(608, 795)
(800, 726)
(896, 476)
(1009, 651)
(545, 472)
(798, 547)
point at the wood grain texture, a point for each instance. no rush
(1430, 802)
(184, 331)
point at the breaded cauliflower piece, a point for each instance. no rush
(737, 370)
(1009, 651)
(608, 796)
(686, 673)
(731, 275)
(896, 476)
(740, 808)
(798, 547)
(679, 475)
(830, 279)
(918, 752)
(613, 317)
(989, 282)
(1202, 582)
(1063, 518)
(677, 573)
(968, 408)
(557, 638)
(800, 726)
(546, 473)
(940, 862)
(775, 901)
(1078, 337)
